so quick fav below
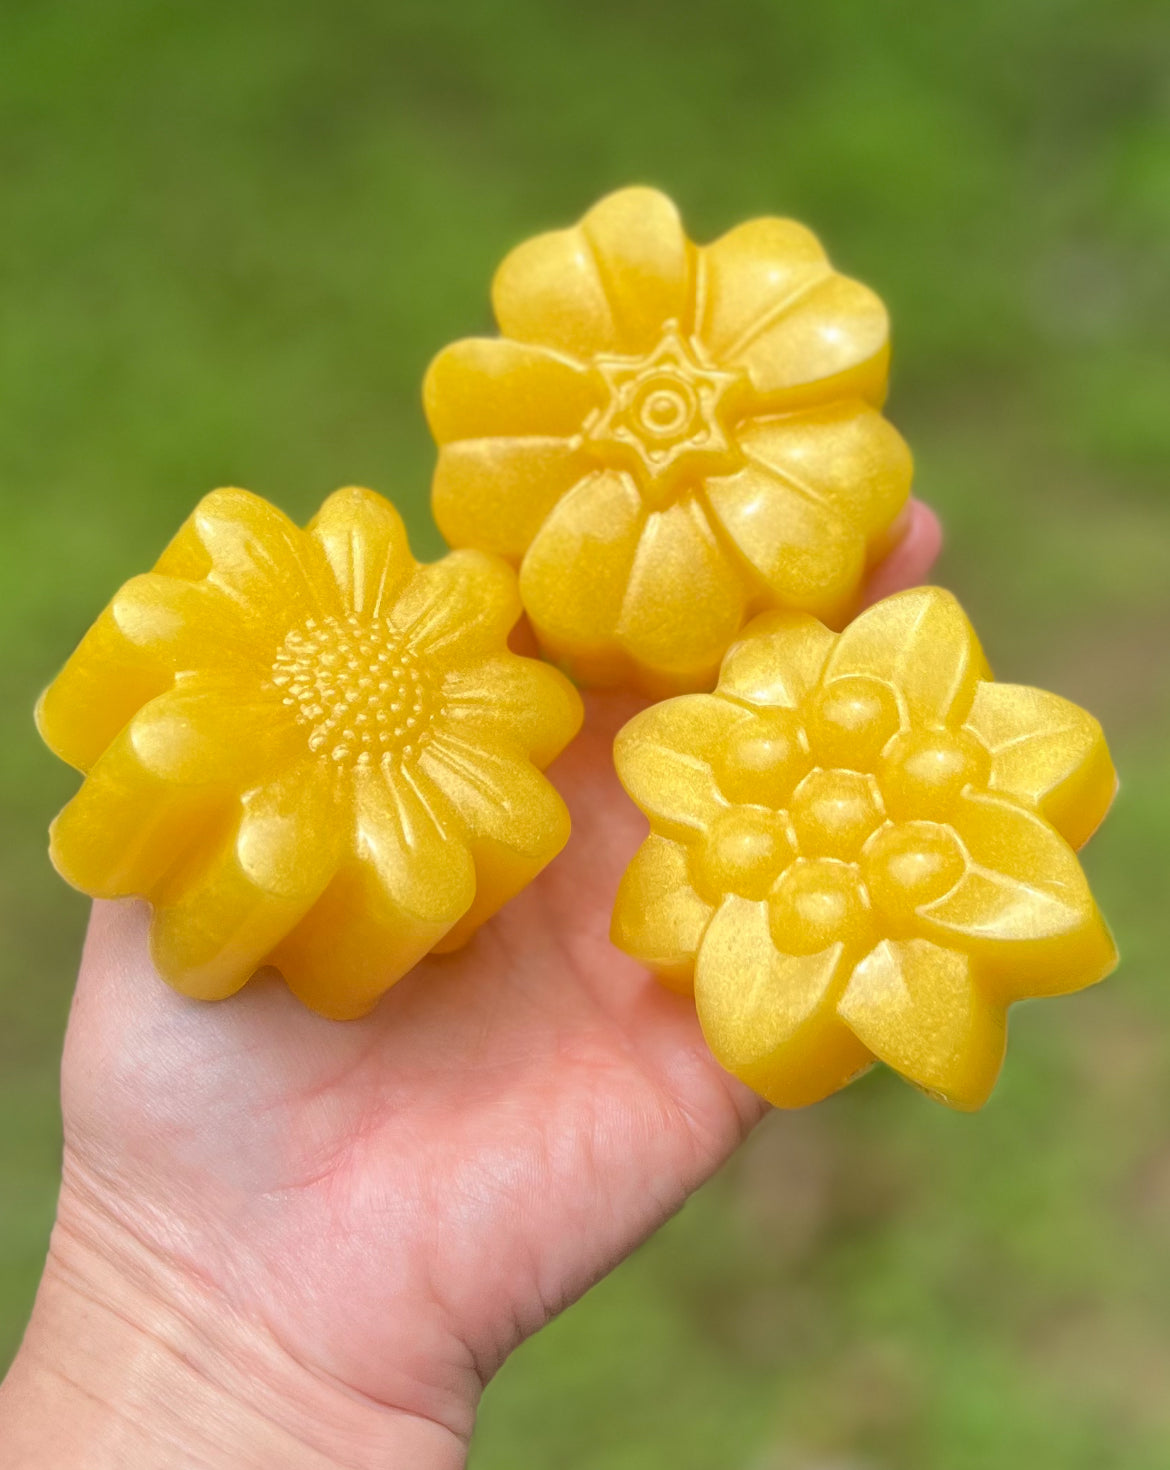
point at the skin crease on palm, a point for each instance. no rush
(397, 1202)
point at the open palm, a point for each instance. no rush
(400, 1200)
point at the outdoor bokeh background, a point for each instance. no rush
(231, 236)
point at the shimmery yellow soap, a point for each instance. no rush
(862, 847)
(669, 438)
(307, 750)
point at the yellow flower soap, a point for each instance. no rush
(667, 438)
(861, 848)
(307, 750)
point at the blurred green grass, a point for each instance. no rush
(233, 236)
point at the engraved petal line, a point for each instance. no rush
(800, 486)
(769, 318)
(699, 290)
(461, 758)
(425, 795)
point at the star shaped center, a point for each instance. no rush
(666, 417)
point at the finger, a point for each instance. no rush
(911, 559)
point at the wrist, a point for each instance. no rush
(128, 1362)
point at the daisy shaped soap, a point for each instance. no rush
(668, 438)
(862, 847)
(307, 750)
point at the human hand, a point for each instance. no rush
(284, 1240)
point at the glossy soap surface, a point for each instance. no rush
(308, 750)
(668, 438)
(862, 847)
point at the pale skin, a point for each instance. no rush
(283, 1241)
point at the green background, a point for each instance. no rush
(232, 235)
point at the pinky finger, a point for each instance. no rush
(911, 559)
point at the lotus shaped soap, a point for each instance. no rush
(307, 750)
(863, 847)
(668, 438)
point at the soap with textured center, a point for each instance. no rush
(307, 750)
(862, 847)
(667, 438)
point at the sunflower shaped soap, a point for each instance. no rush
(307, 750)
(862, 847)
(669, 438)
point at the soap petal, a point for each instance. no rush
(645, 264)
(518, 700)
(777, 660)
(658, 918)
(574, 577)
(409, 838)
(154, 628)
(833, 341)
(365, 545)
(842, 455)
(919, 1008)
(1048, 753)
(771, 302)
(161, 783)
(549, 291)
(663, 759)
(685, 600)
(216, 925)
(411, 880)
(213, 729)
(751, 271)
(495, 494)
(256, 554)
(460, 608)
(1023, 906)
(121, 833)
(923, 644)
(500, 874)
(484, 387)
(497, 795)
(806, 553)
(770, 1018)
(181, 625)
(352, 946)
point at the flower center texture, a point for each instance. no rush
(851, 720)
(357, 689)
(744, 851)
(666, 417)
(764, 759)
(911, 864)
(923, 771)
(818, 903)
(834, 812)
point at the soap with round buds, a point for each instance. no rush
(863, 847)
